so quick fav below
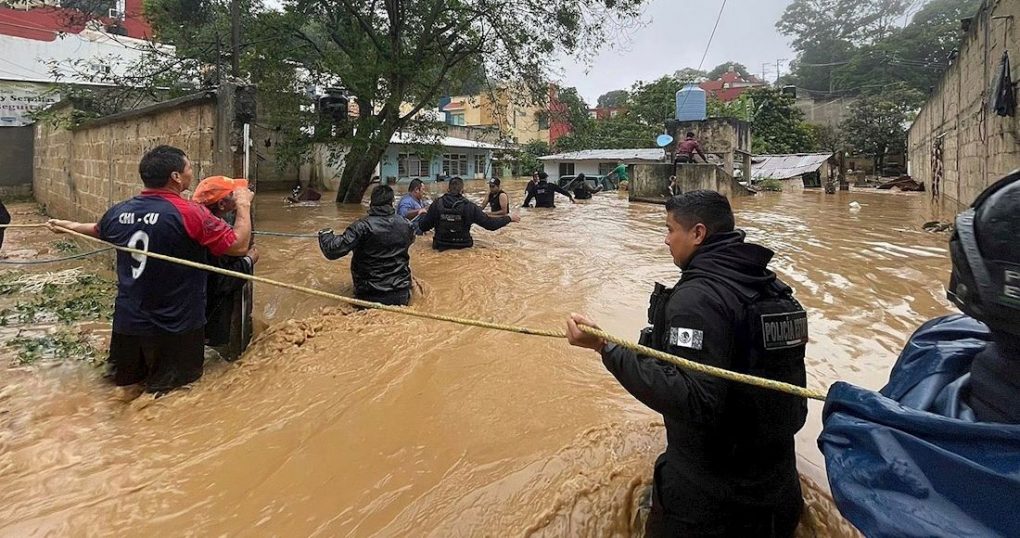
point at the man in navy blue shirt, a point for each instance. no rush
(159, 314)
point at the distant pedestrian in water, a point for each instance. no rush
(544, 193)
(499, 201)
(618, 174)
(381, 268)
(583, 191)
(452, 216)
(413, 206)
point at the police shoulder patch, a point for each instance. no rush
(689, 338)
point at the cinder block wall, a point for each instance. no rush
(978, 146)
(80, 172)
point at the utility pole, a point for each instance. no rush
(764, 66)
(235, 38)
(778, 70)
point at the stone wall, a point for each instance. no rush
(976, 146)
(80, 172)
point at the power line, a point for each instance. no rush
(701, 64)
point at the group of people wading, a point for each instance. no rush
(729, 467)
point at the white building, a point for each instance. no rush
(597, 162)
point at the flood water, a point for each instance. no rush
(359, 424)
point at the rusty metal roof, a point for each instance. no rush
(786, 166)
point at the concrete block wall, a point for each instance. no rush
(650, 182)
(81, 172)
(978, 146)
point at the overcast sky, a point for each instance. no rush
(675, 36)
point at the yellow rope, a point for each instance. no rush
(673, 359)
(36, 225)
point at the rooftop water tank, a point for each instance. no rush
(691, 104)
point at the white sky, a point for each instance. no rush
(675, 36)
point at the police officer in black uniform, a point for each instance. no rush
(452, 216)
(581, 189)
(544, 193)
(729, 469)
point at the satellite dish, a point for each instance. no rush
(663, 140)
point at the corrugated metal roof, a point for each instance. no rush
(625, 155)
(444, 141)
(786, 166)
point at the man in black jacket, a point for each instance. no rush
(729, 469)
(381, 267)
(452, 216)
(544, 192)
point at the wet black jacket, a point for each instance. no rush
(544, 194)
(380, 241)
(221, 295)
(713, 479)
(470, 213)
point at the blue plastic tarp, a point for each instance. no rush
(910, 460)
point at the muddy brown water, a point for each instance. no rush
(341, 424)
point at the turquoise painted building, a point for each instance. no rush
(454, 157)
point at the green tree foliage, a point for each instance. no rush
(652, 103)
(876, 124)
(620, 132)
(572, 109)
(527, 157)
(741, 108)
(776, 125)
(615, 98)
(719, 70)
(851, 47)
(690, 74)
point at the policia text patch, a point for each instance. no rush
(788, 329)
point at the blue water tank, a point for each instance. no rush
(691, 103)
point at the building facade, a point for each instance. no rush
(597, 162)
(515, 120)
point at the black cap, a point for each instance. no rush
(494, 181)
(985, 283)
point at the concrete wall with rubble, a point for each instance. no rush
(976, 146)
(650, 182)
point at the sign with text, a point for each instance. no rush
(19, 99)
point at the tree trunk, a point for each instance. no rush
(359, 166)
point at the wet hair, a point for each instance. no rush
(690, 134)
(580, 176)
(543, 175)
(382, 195)
(159, 163)
(456, 186)
(415, 183)
(707, 207)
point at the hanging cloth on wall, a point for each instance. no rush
(1005, 98)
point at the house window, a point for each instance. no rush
(455, 164)
(411, 165)
(457, 119)
(606, 168)
(566, 169)
(480, 164)
(543, 120)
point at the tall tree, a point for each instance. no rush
(652, 103)
(776, 125)
(690, 74)
(620, 132)
(876, 125)
(615, 98)
(722, 68)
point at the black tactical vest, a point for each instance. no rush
(452, 229)
(771, 342)
(494, 200)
